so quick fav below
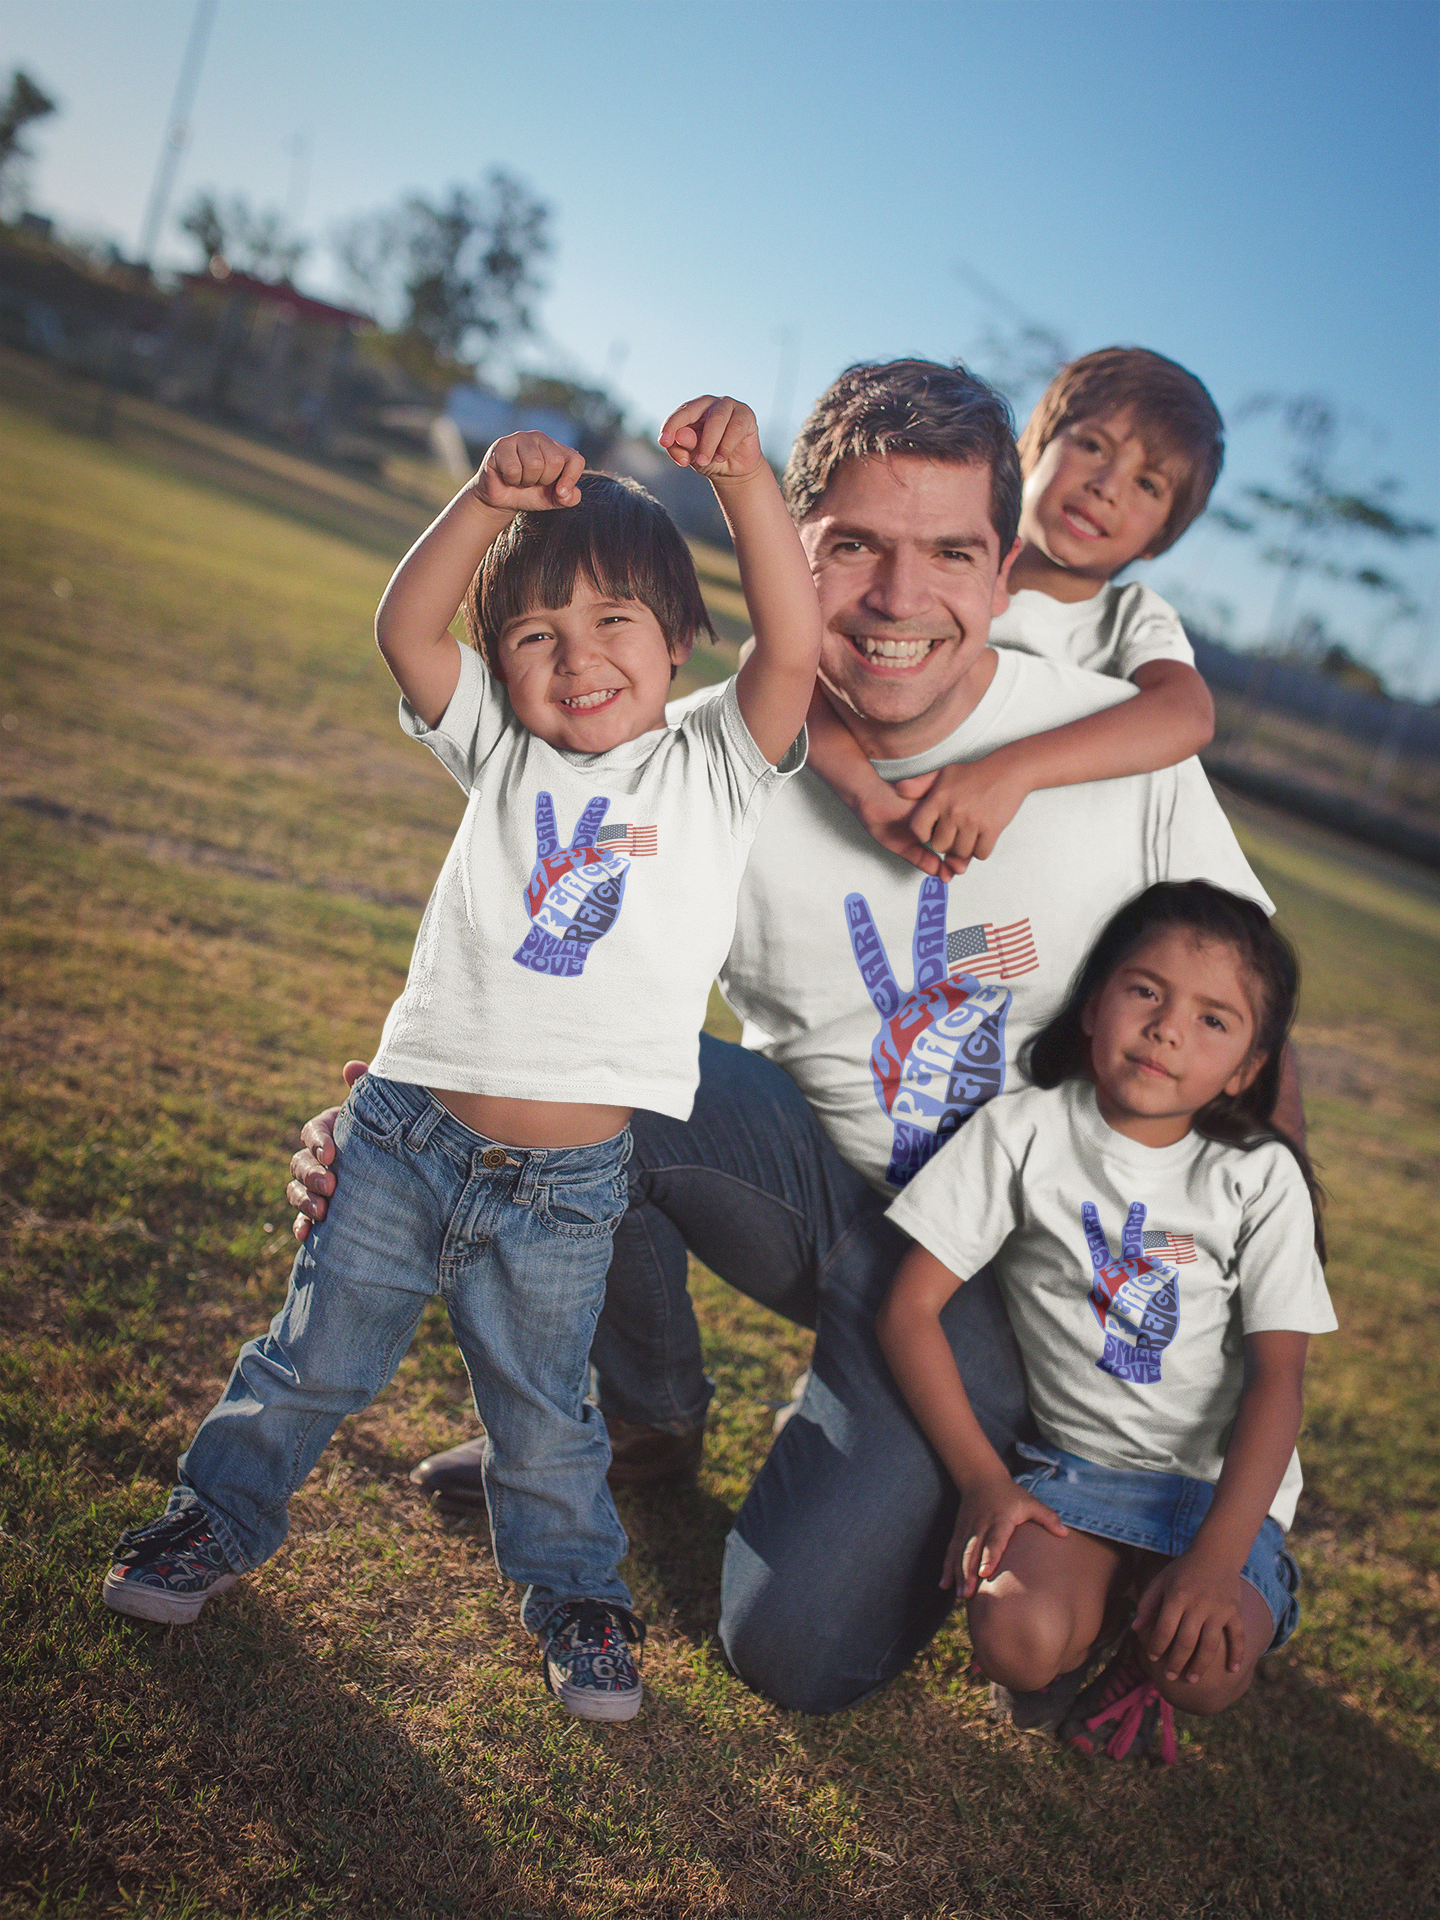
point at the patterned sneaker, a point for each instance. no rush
(1125, 1694)
(167, 1569)
(1042, 1710)
(586, 1662)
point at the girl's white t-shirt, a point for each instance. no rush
(1131, 1274)
(1114, 632)
(584, 908)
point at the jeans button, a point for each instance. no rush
(494, 1157)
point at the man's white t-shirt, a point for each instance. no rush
(899, 1004)
(1113, 632)
(587, 901)
(1131, 1274)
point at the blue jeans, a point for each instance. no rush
(831, 1576)
(516, 1242)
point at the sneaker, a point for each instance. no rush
(167, 1569)
(1042, 1710)
(586, 1662)
(1125, 1695)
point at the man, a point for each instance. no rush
(858, 1061)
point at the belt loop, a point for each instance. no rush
(425, 1125)
(530, 1169)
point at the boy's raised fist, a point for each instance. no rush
(528, 473)
(714, 434)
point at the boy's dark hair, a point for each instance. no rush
(1061, 1049)
(908, 406)
(619, 537)
(1173, 412)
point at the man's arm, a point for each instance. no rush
(719, 438)
(967, 807)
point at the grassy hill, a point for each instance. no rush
(214, 845)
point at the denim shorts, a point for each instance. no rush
(1159, 1513)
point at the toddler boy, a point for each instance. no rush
(559, 980)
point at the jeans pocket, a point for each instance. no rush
(376, 1110)
(582, 1209)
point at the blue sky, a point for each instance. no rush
(747, 197)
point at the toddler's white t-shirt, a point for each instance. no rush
(1114, 632)
(1131, 1274)
(582, 913)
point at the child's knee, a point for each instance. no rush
(1021, 1646)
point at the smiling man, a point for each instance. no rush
(881, 1008)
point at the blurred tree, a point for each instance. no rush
(1299, 527)
(453, 276)
(24, 103)
(255, 242)
(597, 415)
(1014, 351)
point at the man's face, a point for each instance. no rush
(909, 572)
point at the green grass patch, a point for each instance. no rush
(214, 844)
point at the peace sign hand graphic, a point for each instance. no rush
(574, 894)
(1136, 1298)
(940, 1050)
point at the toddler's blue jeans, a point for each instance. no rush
(516, 1242)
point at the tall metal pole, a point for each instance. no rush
(177, 129)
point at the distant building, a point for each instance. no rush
(258, 352)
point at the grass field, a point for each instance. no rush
(215, 847)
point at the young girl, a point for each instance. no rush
(559, 980)
(1159, 1250)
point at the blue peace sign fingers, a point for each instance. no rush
(1095, 1236)
(589, 823)
(1132, 1235)
(547, 836)
(870, 956)
(929, 938)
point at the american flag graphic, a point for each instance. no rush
(1179, 1246)
(991, 953)
(639, 842)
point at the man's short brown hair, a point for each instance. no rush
(913, 407)
(1173, 413)
(618, 536)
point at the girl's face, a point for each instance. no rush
(1171, 1028)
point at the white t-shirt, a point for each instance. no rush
(1131, 1274)
(569, 945)
(899, 1004)
(1114, 632)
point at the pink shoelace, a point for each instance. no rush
(1129, 1710)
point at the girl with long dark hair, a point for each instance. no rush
(1158, 1244)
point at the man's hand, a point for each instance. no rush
(1191, 1610)
(990, 1511)
(528, 473)
(311, 1182)
(963, 809)
(715, 435)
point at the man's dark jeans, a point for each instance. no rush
(831, 1576)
